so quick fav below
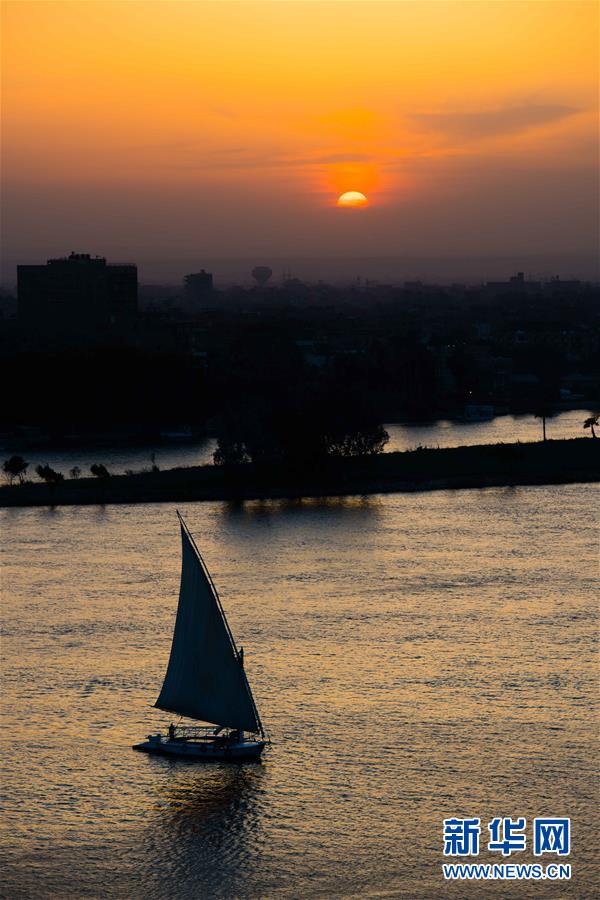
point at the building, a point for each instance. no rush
(198, 288)
(517, 284)
(79, 295)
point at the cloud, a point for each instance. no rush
(191, 144)
(239, 158)
(489, 123)
(275, 160)
(332, 158)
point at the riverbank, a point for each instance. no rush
(489, 465)
(122, 458)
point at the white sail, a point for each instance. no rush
(205, 677)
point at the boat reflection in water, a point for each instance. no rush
(204, 828)
(205, 677)
(214, 801)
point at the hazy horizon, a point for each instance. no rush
(340, 270)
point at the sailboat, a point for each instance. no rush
(205, 678)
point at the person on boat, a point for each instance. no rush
(171, 732)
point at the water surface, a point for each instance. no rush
(414, 657)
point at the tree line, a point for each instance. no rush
(295, 435)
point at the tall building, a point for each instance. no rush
(78, 295)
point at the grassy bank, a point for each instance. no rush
(553, 462)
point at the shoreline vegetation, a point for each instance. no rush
(423, 469)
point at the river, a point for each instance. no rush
(414, 657)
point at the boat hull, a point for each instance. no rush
(204, 751)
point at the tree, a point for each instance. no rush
(360, 442)
(49, 475)
(230, 452)
(99, 470)
(75, 472)
(547, 366)
(542, 416)
(591, 422)
(543, 413)
(300, 428)
(15, 467)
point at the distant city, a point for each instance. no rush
(336, 270)
(89, 349)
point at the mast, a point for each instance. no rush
(239, 655)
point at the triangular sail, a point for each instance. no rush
(205, 677)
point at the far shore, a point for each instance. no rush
(27, 440)
(487, 465)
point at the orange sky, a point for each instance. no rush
(230, 128)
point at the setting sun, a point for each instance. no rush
(146, 107)
(352, 198)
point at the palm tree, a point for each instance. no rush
(590, 422)
(543, 413)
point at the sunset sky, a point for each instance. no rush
(196, 130)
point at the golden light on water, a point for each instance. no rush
(352, 199)
(429, 616)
